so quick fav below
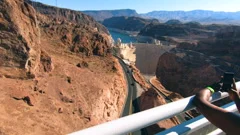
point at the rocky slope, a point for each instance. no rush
(173, 21)
(174, 28)
(128, 23)
(54, 78)
(225, 44)
(19, 48)
(186, 71)
(77, 31)
(190, 67)
(150, 99)
(101, 15)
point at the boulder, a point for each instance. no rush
(23, 95)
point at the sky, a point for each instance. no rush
(144, 6)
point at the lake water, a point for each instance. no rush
(124, 37)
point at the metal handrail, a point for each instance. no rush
(195, 124)
(145, 118)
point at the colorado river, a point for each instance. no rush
(124, 37)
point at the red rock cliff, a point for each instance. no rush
(186, 72)
(53, 80)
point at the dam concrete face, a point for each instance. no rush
(144, 56)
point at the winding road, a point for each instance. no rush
(131, 104)
(131, 94)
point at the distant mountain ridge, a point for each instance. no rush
(202, 16)
(100, 15)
